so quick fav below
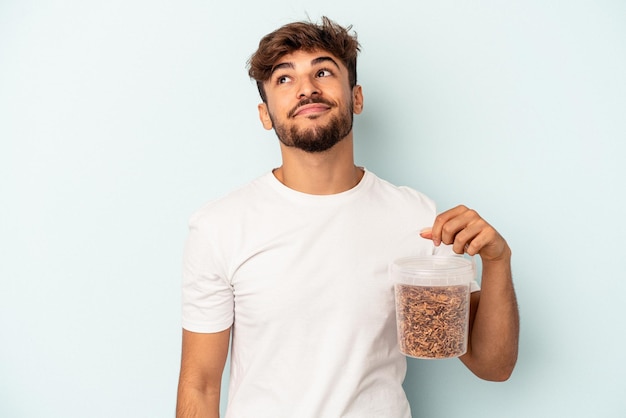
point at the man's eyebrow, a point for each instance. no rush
(281, 66)
(315, 61)
(320, 60)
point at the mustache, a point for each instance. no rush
(308, 101)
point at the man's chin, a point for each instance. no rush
(315, 139)
(316, 148)
(316, 145)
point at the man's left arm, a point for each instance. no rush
(494, 318)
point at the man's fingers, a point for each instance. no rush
(426, 233)
(454, 227)
(467, 232)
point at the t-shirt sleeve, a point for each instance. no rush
(207, 296)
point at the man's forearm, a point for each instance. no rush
(194, 403)
(495, 329)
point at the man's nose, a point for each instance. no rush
(308, 88)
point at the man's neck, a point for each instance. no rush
(323, 173)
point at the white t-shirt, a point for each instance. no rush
(303, 280)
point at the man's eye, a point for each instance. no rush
(282, 80)
(324, 73)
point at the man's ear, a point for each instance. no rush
(264, 116)
(357, 99)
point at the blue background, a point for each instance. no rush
(118, 119)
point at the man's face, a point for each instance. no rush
(310, 103)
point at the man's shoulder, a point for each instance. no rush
(388, 190)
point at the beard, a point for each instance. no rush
(316, 139)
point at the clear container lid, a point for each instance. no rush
(433, 270)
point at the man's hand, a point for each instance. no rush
(466, 231)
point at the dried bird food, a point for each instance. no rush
(432, 320)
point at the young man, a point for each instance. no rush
(294, 265)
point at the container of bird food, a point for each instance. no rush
(432, 297)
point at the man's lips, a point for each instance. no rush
(310, 108)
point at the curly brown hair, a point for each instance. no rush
(306, 36)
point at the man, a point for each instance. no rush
(294, 265)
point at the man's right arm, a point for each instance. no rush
(202, 365)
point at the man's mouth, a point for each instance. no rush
(310, 107)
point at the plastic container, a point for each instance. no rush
(432, 295)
